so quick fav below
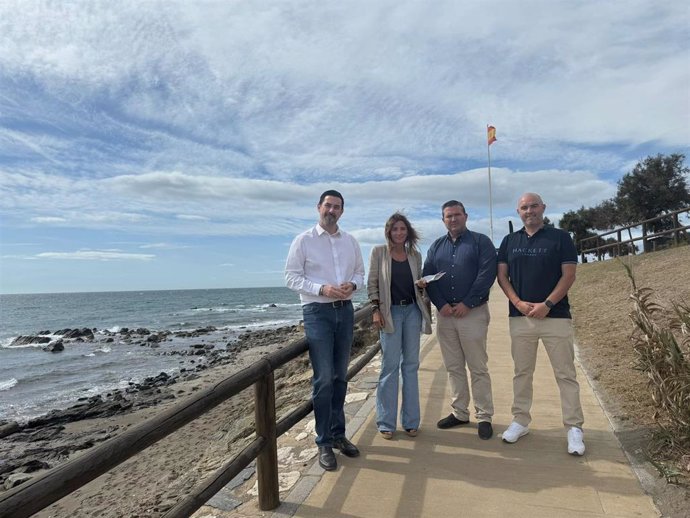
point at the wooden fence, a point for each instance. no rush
(38, 493)
(650, 240)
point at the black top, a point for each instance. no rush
(534, 266)
(402, 284)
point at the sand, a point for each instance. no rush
(152, 482)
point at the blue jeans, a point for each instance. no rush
(329, 331)
(400, 354)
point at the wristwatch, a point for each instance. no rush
(549, 304)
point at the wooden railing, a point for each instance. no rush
(38, 493)
(597, 245)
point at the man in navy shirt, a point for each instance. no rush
(536, 268)
(468, 260)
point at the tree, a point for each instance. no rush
(655, 186)
(605, 216)
(576, 222)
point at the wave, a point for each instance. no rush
(243, 308)
(217, 310)
(8, 384)
(102, 350)
(7, 344)
(22, 346)
(265, 324)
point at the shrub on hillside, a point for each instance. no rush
(661, 340)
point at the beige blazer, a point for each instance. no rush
(379, 285)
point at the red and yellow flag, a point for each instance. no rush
(491, 134)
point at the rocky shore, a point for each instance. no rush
(164, 472)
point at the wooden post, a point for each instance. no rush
(267, 461)
(676, 225)
(619, 237)
(645, 243)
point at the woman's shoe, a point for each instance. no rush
(386, 435)
(412, 432)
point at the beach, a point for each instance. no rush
(152, 482)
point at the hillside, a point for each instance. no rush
(601, 305)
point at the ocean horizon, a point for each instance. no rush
(34, 381)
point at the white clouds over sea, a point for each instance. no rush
(212, 127)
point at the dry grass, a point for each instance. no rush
(602, 305)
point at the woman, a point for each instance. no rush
(398, 312)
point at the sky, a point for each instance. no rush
(179, 145)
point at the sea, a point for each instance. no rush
(34, 381)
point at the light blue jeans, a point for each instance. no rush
(400, 355)
(329, 331)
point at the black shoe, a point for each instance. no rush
(450, 422)
(485, 430)
(346, 447)
(327, 458)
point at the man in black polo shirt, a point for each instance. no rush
(536, 268)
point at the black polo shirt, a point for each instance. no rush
(534, 266)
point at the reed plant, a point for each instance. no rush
(661, 341)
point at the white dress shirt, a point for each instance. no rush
(317, 258)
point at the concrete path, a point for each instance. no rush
(452, 473)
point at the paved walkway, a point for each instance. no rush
(452, 473)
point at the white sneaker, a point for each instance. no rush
(576, 446)
(514, 432)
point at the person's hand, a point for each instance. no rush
(460, 310)
(377, 319)
(421, 283)
(446, 310)
(524, 307)
(336, 292)
(347, 288)
(539, 310)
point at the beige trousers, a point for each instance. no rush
(557, 336)
(463, 342)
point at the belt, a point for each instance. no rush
(336, 303)
(403, 303)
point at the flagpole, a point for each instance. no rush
(491, 206)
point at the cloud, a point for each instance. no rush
(192, 217)
(247, 206)
(48, 219)
(95, 255)
(165, 123)
(163, 246)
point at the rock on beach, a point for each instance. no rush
(43, 439)
(165, 472)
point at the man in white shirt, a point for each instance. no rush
(325, 266)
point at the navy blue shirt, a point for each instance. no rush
(534, 266)
(470, 266)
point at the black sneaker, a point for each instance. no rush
(485, 430)
(327, 458)
(450, 422)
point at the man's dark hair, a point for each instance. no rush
(452, 203)
(334, 193)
